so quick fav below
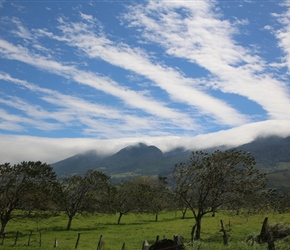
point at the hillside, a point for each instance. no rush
(269, 152)
(133, 160)
(272, 155)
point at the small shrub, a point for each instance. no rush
(276, 231)
(279, 230)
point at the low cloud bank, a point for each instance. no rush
(15, 149)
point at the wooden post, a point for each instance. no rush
(178, 241)
(265, 236)
(29, 237)
(55, 245)
(175, 239)
(123, 247)
(271, 244)
(77, 242)
(157, 239)
(100, 243)
(264, 231)
(225, 236)
(40, 239)
(145, 245)
(16, 238)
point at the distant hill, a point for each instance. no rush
(78, 164)
(136, 157)
(132, 160)
(272, 155)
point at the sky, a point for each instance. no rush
(80, 75)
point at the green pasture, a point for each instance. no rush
(134, 229)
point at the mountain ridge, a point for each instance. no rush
(272, 154)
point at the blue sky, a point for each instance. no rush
(76, 75)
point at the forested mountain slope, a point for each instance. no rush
(272, 154)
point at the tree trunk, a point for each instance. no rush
(198, 228)
(3, 226)
(70, 218)
(4, 220)
(119, 219)
(183, 213)
(213, 212)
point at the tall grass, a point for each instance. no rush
(135, 228)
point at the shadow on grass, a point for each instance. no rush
(13, 234)
(177, 218)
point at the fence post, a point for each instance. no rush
(175, 244)
(157, 239)
(40, 239)
(55, 245)
(264, 231)
(77, 242)
(178, 241)
(16, 238)
(29, 237)
(100, 243)
(225, 236)
(271, 244)
(145, 245)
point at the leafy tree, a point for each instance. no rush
(281, 202)
(248, 202)
(158, 195)
(123, 198)
(28, 185)
(179, 204)
(209, 181)
(143, 194)
(83, 194)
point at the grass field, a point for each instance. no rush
(134, 229)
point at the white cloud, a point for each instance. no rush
(207, 41)
(24, 148)
(165, 101)
(21, 31)
(283, 34)
(108, 86)
(178, 87)
(88, 18)
(94, 118)
(19, 123)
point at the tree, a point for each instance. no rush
(28, 185)
(281, 202)
(143, 194)
(159, 195)
(123, 198)
(209, 181)
(83, 194)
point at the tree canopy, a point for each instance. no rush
(24, 186)
(80, 194)
(209, 181)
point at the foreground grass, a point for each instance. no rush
(135, 229)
